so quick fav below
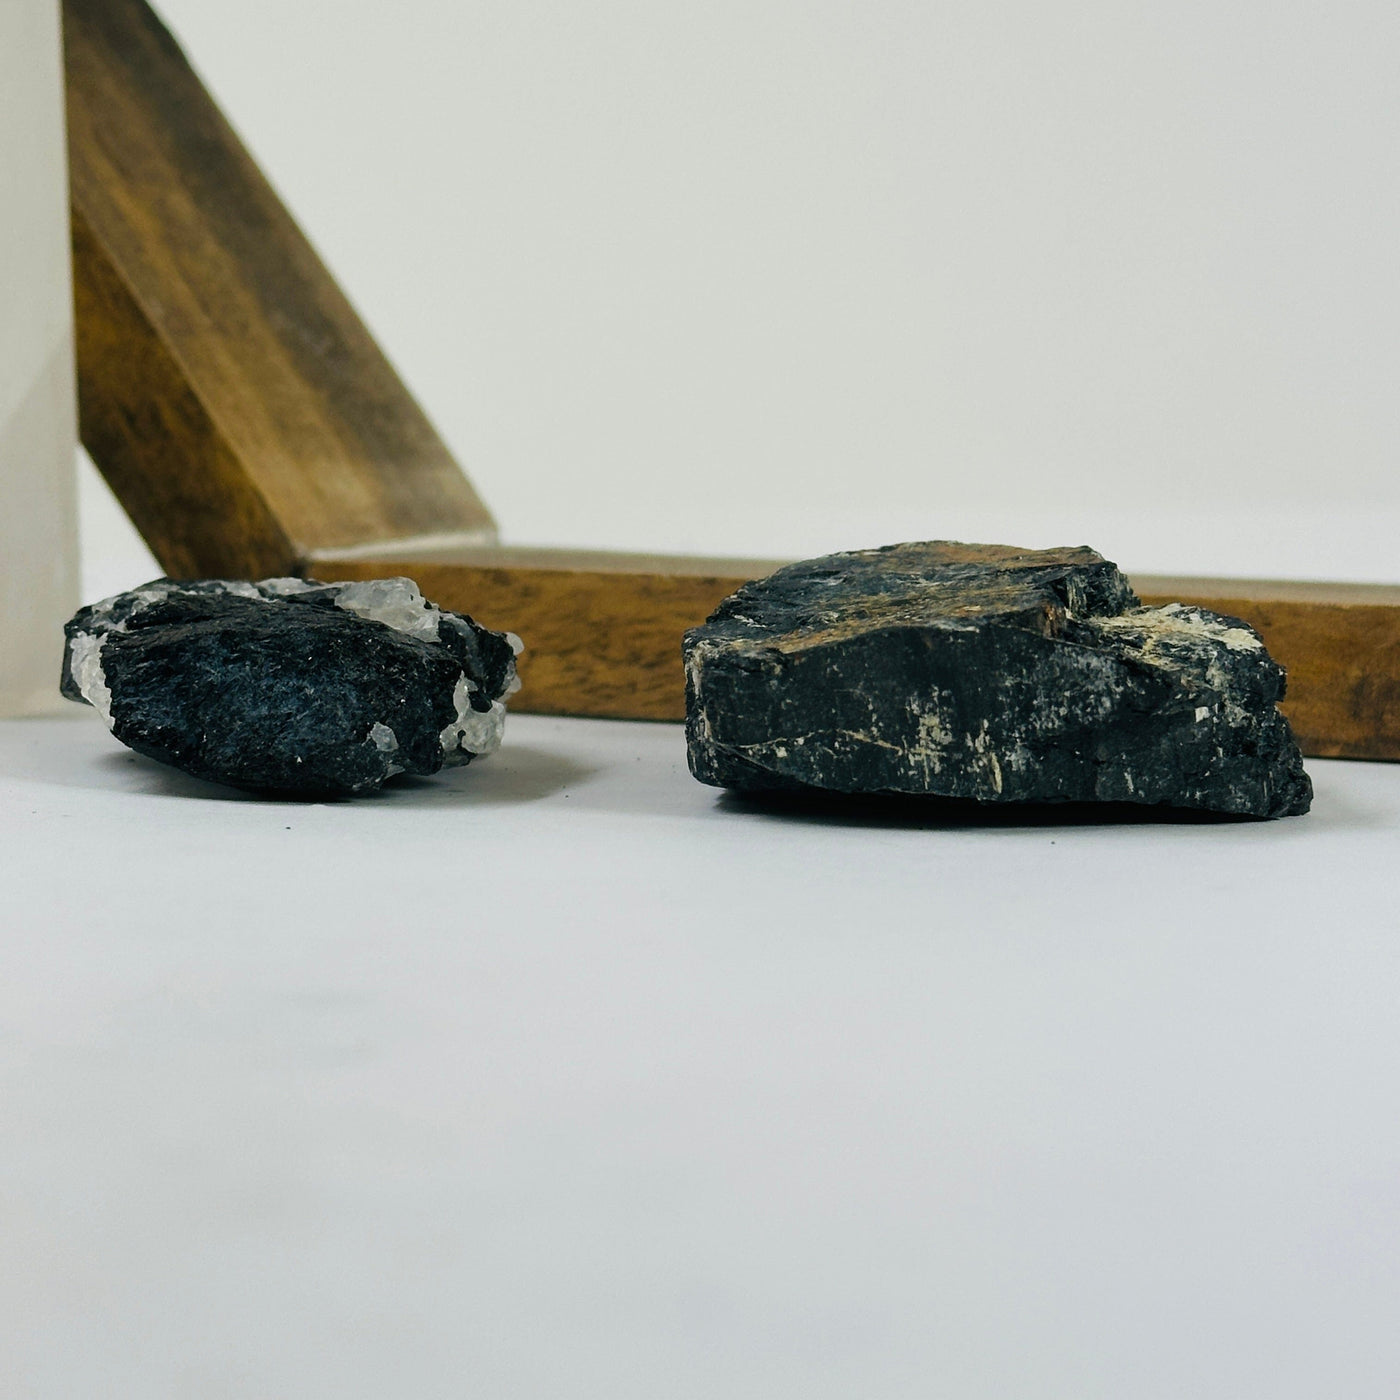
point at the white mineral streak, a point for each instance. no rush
(1179, 622)
(694, 674)
(1155, 632)
(985, 757)
(396, 602)
(933, 731)
(86, 654)
(278, 587)
(473, 731)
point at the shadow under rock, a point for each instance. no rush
(138, 774)
(907, 813)
(514, 775)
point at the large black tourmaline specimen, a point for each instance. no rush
(990, 673)
(291, 687)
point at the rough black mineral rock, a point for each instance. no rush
(991, 673)
(289, 686)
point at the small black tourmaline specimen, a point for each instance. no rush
(289, 686)
(990, 673)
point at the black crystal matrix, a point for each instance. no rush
(991, 673)
(289, 686)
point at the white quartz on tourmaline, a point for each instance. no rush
(277, 587)
(387, 742)
(86, 662)
(394, 602)
(476, 732)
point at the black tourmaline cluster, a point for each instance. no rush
(291, 687)
(990, 673)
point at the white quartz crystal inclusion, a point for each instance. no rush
(387, 742)
(473, 732)
(396, 602)
(88, 676)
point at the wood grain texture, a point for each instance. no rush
(240, 409)
(602, 633)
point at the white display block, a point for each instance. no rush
(38, 530)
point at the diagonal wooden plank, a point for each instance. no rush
(250, 426)
(241, 410)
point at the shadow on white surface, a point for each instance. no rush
(939, 814)
(518, 773)
(525, 775)
(1334, 807)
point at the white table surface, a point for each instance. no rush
(564, 1076)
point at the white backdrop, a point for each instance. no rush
(797, 276)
